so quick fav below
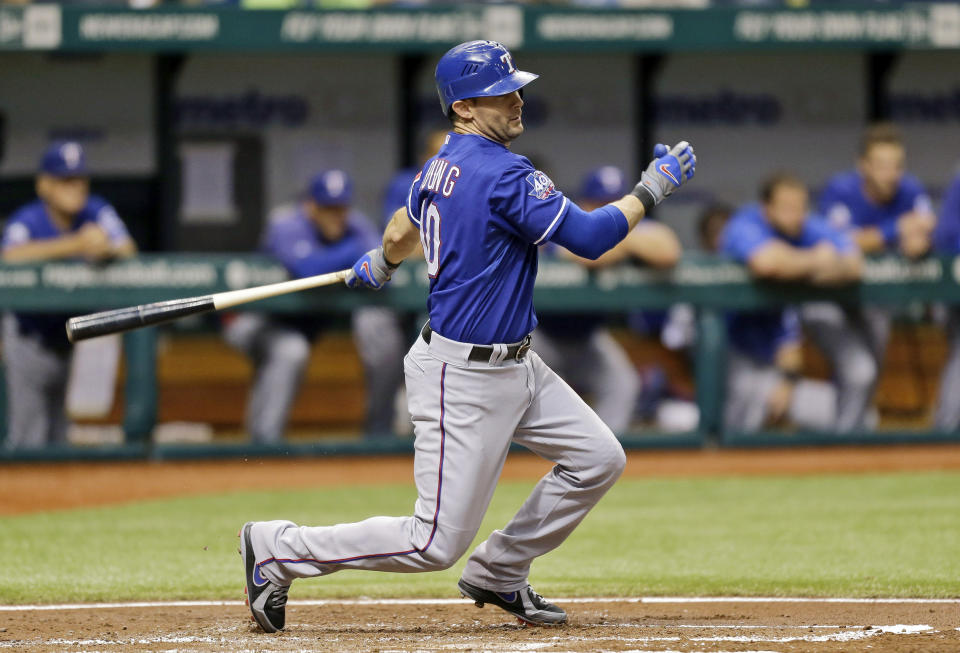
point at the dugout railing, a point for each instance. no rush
(714, 286)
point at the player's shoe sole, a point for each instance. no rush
(526, 605)
(267, 601)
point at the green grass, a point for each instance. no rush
(863, 535)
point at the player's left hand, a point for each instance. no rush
(667, 172)
(371, 270)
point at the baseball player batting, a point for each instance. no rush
(473, 383)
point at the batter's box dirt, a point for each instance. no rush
(694, 627)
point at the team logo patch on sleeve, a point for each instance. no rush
(542, 187)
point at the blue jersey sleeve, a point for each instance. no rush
(743, 236)
(833, 206)
(591, 234)
(946, 238)
(17, 230)
(817, 230)
(105, 216)
(529, 202)
(413, 209)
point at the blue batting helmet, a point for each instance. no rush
(477, 69)
(604, 184)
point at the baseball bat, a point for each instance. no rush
(134, 317)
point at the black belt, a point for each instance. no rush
(483, 353)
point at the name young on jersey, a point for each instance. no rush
(441, 177)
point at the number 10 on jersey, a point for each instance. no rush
(430, 238)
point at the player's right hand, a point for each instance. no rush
(667, 172)
(371, 270)
(94, 244)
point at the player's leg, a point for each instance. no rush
(36, 389)
(464, 418)
(747, 392)
(612, 379)
(279, 354)
(855, 368)
(380, 343)
(560, 427)
(947, 417)
(549, 349)
(813, 405)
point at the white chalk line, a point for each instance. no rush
(434, 602)
(844, 634)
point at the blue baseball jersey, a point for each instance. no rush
(760, 334)
(293, 240)
(845, 206)
(946, 237)
(482, 212)
(395, 195)
(31, 222)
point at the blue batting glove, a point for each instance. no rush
(666, 173)
(371, 270)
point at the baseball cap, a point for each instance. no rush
(604, 184)
(332, 188)
(64, 159)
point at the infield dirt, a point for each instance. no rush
(783, 627)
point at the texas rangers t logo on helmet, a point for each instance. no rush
(542, 186)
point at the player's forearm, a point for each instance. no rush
(789, 357)
(125, 249)
(655, 244)
(632, 209)
(400, 239)
(781, 262)
(44, 250)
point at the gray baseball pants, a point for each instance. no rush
(36, 378)
(854, 340)
(947, 417)
(601, 368)
(280, 354)
(466, 414)
(749, 385)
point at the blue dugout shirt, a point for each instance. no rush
(31, 222)
(760, 334)
(293, 240)
(946, 237)
(395, 195)
(845, 206)
(482, 211)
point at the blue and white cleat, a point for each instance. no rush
(267, 600)
(526, 605)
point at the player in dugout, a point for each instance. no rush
(947, 242)
(885, 210)
(320, 234)
(579, 346)
(65, 222)
(778, 239)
